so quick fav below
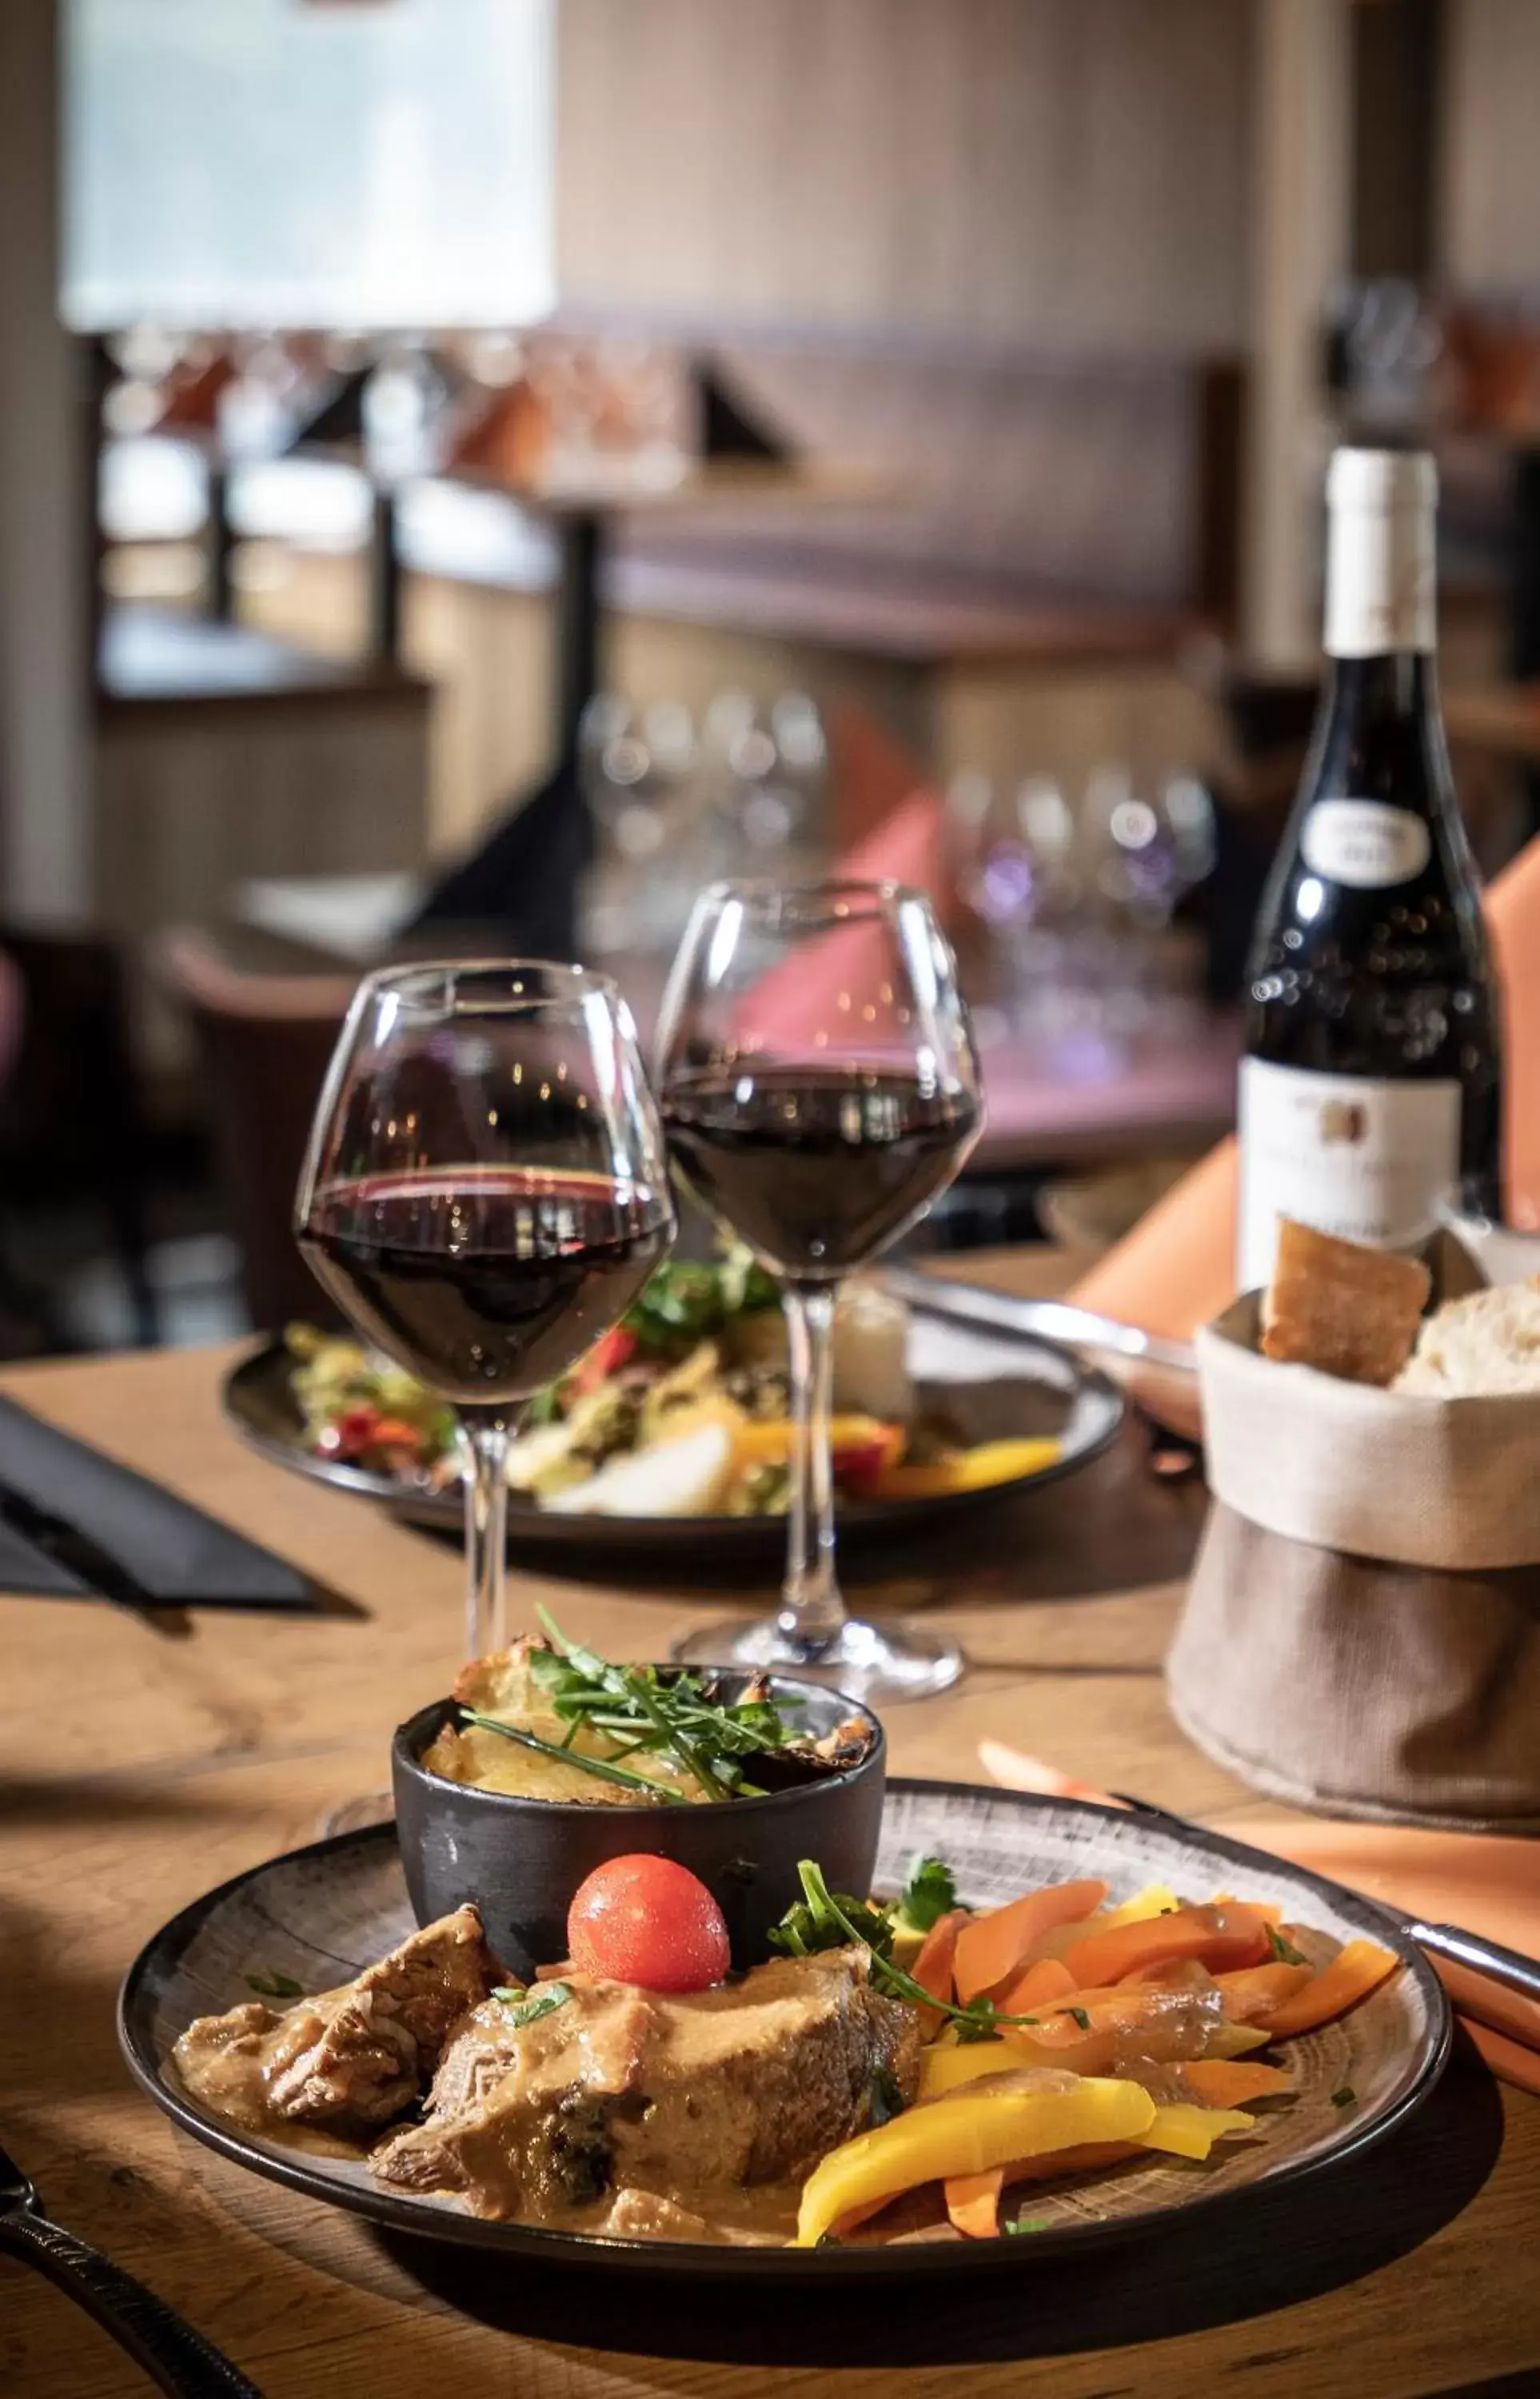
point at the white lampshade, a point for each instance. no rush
(275, 163)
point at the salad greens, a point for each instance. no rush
(684, 1303)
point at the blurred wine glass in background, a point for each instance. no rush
(636, 767)
(765, 771)
(1068, 936)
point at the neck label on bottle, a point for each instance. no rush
(1366, 844)
(1358, 1156)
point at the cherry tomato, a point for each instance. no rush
(648, 1920)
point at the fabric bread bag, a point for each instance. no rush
(1361, 1631)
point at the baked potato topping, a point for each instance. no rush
(531, 1686)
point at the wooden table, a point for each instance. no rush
(138, 1769)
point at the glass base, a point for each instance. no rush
(884, 1660)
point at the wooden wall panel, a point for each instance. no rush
(1491, 163)
(1066, 171)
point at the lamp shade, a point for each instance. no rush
(253, 163)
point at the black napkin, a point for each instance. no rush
(62, 1504)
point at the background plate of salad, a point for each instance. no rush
(674, 1434)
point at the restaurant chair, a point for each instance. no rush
(72, 1116)
(264, 1041)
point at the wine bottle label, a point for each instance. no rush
(1366, 844)
(1363, 1157)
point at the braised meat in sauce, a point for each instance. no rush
(692, 2098)
(689, 2116)
(347, 2060)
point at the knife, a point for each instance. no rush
(1046, 1320)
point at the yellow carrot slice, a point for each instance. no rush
(966, 2135)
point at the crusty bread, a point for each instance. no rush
(1487, 1343)
(1348, 1311)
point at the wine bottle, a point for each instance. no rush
(1369, 1089)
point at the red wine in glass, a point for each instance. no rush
(485, 1191)
(820, 1088)
(489, 1283)
(816, 1172)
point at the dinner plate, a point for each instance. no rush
(321, 1914)
(997, 1386)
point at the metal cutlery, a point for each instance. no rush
(175, 2356)
(1049, 1320)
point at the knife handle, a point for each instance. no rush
(173, 2355)
(1509, 1967)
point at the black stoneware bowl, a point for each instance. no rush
(520, 1860)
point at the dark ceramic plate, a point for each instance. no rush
(322, 1913)
(996, 1386)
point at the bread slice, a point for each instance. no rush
(1485, 1344)
(1348, 1311)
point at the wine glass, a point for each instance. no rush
(820, 1088)
(485, 1191)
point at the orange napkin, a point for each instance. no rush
(1175, 1270)
(821, 997)
(1486, 1882)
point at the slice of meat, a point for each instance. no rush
(351, 2058)
(621, 2089)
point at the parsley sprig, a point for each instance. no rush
(821, 1919)
(528, 2006)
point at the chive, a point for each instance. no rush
(685, 1753)
(1030, 2224)
(1283, 1951)
(600, 1767)
(1081, 2019)
(1346, 2097)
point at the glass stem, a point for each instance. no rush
(485, 1443)
(812, 1610)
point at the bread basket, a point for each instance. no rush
(1361, 1631)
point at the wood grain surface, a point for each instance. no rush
(140, 1765)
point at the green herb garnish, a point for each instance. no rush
(675, 1716)
(276, 1986)
(1346, 2097)
(528, 2007)
(1081, 2019)
(821, 1919)
(604, 1770)
(1283, 1951)
(1029, 2224)
(929, 1894)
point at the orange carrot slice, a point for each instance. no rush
(972, 2203)
(1256, 1995)
(991, 1948)
(1353, 1974)
(854, 2216)
(1231, 2083)
(1082, 2159)
(1222, 1938)
(933, 1968)
(1049, 1979)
